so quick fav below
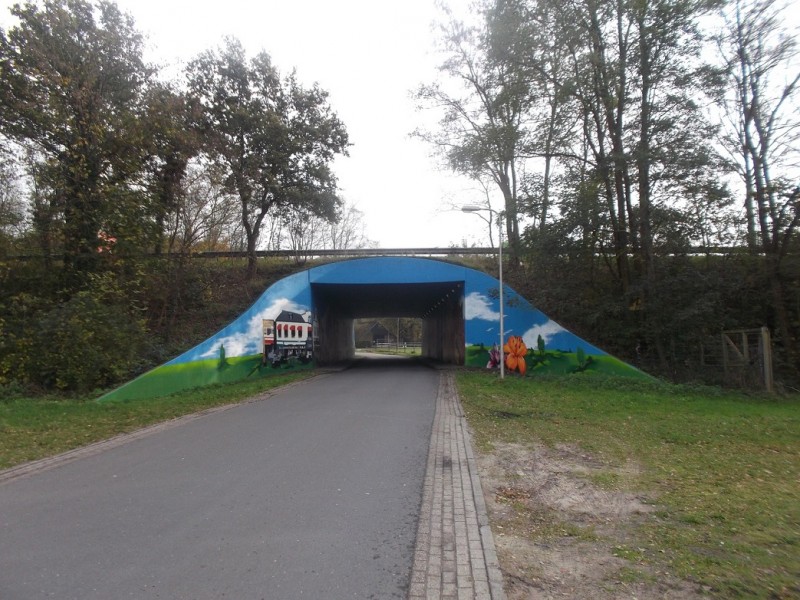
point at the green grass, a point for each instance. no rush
(33, 428)
(723, 469)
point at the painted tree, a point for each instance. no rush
(274, 138)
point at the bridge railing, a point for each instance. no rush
(350, 253)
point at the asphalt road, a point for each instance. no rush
(313, 493)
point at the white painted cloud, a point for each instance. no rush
(248, 341)
(547, 330)
(478, 306)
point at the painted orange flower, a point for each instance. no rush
(516, 350)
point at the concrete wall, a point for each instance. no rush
(443, 331)
(335, 337)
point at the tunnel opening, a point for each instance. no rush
(440, 306)
(389, 333)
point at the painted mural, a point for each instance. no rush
(243, 349)
(532, 342)
(277, 331)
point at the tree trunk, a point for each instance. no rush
(782, 320)
(511, 219)
(548, 159)
(251, 256)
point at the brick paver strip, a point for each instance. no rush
(455, 556)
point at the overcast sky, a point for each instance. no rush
(369, 55)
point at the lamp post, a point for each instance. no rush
(477, 209)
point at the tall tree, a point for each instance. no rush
(600, 44)
(173, 140)
(764, 82)
(71, 81)
(274, 138)
(524, 35)
(483, 130)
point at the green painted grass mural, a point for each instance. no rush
(171, 378)
(554, 362)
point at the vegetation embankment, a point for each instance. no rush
(34, 428)
(717, 472)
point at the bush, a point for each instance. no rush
(89, 341)
(86, 344)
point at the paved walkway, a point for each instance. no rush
(455, 556)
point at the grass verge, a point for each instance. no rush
(722, 469)
(34, 428)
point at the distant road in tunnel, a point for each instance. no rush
(312, 493)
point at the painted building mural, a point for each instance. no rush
(289, 336)
(278, 331)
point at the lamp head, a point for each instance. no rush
(471, 208)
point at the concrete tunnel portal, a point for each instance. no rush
(439, 304)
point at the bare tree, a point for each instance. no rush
(12, 205)
(204, 213)
(303, 232)
(348, 231)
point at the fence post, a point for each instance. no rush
(766, 350)
(724, 356)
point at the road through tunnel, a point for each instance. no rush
(439, 304)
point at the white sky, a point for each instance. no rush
(369, 54)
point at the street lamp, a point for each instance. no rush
(477, 209)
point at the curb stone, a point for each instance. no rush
(455, 557)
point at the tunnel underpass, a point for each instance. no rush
(439, 304)
(314, 311)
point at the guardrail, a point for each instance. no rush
(395, 345)
(350, 253)
(306, 254)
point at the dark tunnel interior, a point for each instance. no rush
(439, 304)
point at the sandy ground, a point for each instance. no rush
(558, 535)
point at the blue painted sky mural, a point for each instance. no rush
(482, 318)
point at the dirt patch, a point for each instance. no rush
(564, 528)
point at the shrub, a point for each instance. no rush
(88, 341)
